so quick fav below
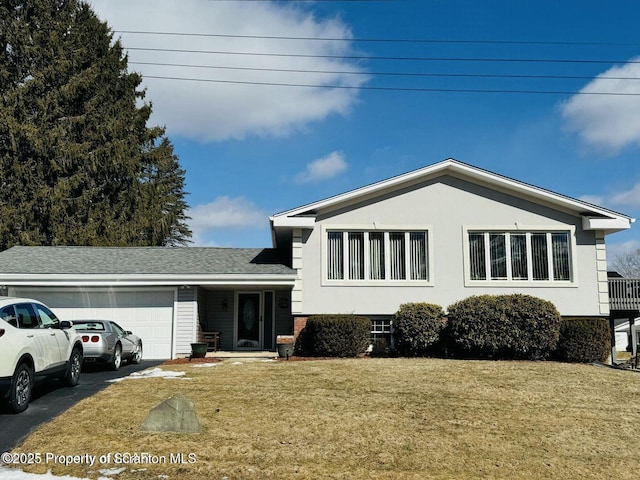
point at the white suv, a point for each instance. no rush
(34, 345)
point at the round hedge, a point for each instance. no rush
(503, 326)
(417, 327)
(335, 335)
(584, 340)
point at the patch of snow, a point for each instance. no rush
(205, 365)
(269, 360)
(112, 471)
(150, 373)
(16, 474)
(237, 363)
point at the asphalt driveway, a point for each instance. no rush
(51, 398)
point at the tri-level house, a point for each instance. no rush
(438, 234)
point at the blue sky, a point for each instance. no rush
(253, 150)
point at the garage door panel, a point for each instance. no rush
(148, 314)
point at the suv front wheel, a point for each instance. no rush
(21, 387)
(72, 376)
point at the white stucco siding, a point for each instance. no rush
(447, 207)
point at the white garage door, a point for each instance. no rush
(147, 313)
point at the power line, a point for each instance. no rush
(380, 40)
(365, 57)
(394, 74)
(398, 89)
(307, 1)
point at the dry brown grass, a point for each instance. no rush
(368, 419)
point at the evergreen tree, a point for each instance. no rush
(78, 164)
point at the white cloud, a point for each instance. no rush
(216, 111)
(594, 199)
(323, 168)
(608, 122)
(629, 198)
(224, 213)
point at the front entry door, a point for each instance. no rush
(249, 322)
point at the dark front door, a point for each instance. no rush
(249, 322)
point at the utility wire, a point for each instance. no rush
(307, 1)
(380, 40)
(364, 57)
(398, 89)
(394, 74)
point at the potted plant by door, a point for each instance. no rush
(285, 344)
(199, 350)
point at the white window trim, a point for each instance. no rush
(573, 264)
(381, 326)
(428, 229)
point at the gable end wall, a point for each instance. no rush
(448, 206)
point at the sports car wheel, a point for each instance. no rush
(116, 361)
(21, 386)
(72, 377)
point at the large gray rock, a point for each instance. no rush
(175, 414)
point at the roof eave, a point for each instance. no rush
(454, 166)
(149, 280)
(307, 221)
(607, 224)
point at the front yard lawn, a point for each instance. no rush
(363, 419)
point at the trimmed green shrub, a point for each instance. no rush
(380, 347)
(584, 340)
(417, 327)
(503, 326)
(337, 335)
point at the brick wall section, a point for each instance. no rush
(298, 324)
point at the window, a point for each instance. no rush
(89, 325)
(519, 262)
(363, 255)
(27, 317)
(376, 255)
(118, 329)
(560, 249)
(356, 255)
(47, 317)
(519, 256)
(8, 314)
(477, 256)
(418, 256)
(335, 256)
(381, 328)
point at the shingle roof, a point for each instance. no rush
(145, 260)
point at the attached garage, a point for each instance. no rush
(165, 295)
(149, 313)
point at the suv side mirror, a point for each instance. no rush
(64, 325)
